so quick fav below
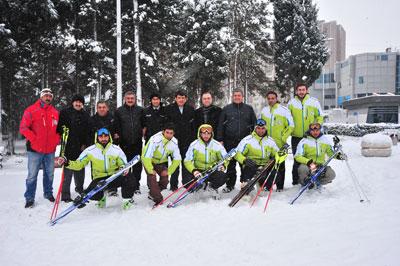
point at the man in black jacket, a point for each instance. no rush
(181, 114)
(207, 113)
(76, 119)
(236, 121)
(102, 119)
(129, 129)
(154, 116)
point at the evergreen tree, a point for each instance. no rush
(299, 50)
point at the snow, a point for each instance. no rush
(327, 228)
(376, 140)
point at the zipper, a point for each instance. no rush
(262, 148)
(316, 144)
(302, 116)
(270, 124)
(206, 153)
(239, 120)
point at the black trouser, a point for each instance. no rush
(79, 179)
(186, 176)
(295, 174)
(249, 172)
(280, 178)
(125, 182)
(131, 150)
(216, 179)
(231, 169)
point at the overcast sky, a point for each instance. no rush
(370, 25)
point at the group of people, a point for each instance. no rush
(193, 140)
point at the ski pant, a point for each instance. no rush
(79, 179)
(157, 186)
(324, 178)
(125, 182)
(216, 179)
(295, 174)
(35, 161)
(231, 174)
(249, 172)
(280, 178)
(186, 176)
(131, 150)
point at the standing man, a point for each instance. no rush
(305, 110)
(154, 117)
(207, 113)
(181, 114)
(101, 119)
(279, 127)
(129, 129)
(76, 119)
(236, 121)
(39, 127)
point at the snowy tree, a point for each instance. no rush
(299, 50)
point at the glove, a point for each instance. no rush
(63, 161)
(250, 163)
(341, 156)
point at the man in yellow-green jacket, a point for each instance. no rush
(254, 151)
(202, 154)
(105, 159)
(155, 160)
(279, 127)
(305, 110)
(312, 152)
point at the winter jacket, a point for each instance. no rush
(129, 124)
(184, 123)
(304, 113)
(154, 120)
(105, 161)
(158, 149)
(97, 122)
(259, 149)
(279, 123)
(235, 122)
(38, 126)
(314, 149)
(201, 155)
(79, 131)
(207, 115)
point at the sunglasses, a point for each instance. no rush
(315, 128)
(205, 133)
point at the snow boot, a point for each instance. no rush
(101, 203)
(127, 203)
(29, 204)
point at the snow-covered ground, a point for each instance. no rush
(328, 228)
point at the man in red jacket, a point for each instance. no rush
(38, 126)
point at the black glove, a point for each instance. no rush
(341, 156)
(250, 163)
(309, 162)
(78, 200)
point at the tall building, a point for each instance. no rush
(368, 74)
(324, 88)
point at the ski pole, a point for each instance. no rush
(171, 194)
(260, 189)
(357, 185)
(64, 140)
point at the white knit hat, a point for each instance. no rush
(46, 91)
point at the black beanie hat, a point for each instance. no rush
(78, 97)
(155, 95)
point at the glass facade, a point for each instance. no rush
(326, 78)
(383, 114)
(398, 74)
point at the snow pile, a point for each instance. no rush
(376, 145)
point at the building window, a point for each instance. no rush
(384, 57)
(398, 74)
(326, 78)
(383, 114)
(361, 95)
(360, 80)
(329, 96)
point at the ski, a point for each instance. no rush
(204, 176)
(100, 186)
(314, 177)
(246, 189)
